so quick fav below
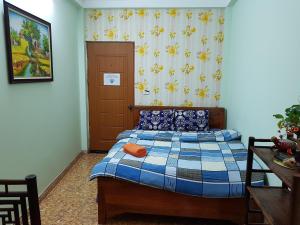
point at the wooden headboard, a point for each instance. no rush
(217, 116)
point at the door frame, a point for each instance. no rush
(89, 150)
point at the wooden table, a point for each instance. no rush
(279, 205)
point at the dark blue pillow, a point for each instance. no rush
(191, 120)
(156, 120)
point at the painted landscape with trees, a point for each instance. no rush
(30, 47)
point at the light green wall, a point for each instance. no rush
(39, 123)
(83, 82)
(262, 58)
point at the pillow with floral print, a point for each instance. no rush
(191, 120)
(156, 120)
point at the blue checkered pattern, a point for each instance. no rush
(202, 136)
(208, 169)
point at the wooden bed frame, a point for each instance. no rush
(117, 196)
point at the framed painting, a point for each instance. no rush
(29, 46)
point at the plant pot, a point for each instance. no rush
(290, 136)
(297, 157)
(298, 135)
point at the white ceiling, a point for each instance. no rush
(154, 3)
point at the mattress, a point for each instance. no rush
(207, 164)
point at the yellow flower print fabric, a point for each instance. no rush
(178, 52)
(142, 50)
(95, 14)
(172, 50)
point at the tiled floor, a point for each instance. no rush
(72, 202)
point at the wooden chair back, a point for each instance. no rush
(15, 205)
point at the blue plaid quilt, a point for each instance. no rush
(202, 136)
(207, 164)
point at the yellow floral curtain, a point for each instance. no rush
(179, 52)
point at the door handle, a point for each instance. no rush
(130, 107)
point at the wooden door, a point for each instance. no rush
(109, 105)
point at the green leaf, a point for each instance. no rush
(280, 124)
(278, 116)
(296, 106)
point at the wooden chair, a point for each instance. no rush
(15, 205)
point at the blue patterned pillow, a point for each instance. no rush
(156, 120)
(191, 120)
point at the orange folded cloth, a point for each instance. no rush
(135, 150)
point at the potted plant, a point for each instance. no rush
(290, 122)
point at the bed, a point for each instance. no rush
(190, 174)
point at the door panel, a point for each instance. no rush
(111, 63)
(108, 120)
(116, 106)
(108, 105)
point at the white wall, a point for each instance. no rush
(109, 4)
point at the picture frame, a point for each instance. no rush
(28, 46)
